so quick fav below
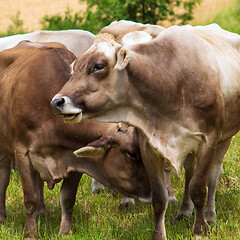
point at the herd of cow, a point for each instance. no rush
(169, 98)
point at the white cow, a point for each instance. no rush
(77, 41)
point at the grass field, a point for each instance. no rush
(98, 216)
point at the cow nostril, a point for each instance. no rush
(60, 102)
(57, 104)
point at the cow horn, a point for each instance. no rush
(90, 151)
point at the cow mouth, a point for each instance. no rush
(72, 118)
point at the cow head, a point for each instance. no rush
(118, 135)
(123, 172)
(101, 67)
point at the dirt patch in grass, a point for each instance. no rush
(31, 12)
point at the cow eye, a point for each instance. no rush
(132, 154)
(98, 67)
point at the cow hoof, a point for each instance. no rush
(210, 217)
(96, 186)
(126, 204)
(30, 236)
(200, 230)
(96, 191)
(198, 237)
(65, 227)
(158, 236)
(182, 216)
(62, 234)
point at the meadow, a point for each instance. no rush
(98, 216)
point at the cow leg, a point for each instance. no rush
(5, 170)
(41, 209)
(187, 204)
(198, 185)
(67, 200)
(96, 186)
(155, 170)
(168, 183)
(126, 202)
(29, 184)
(213, 180)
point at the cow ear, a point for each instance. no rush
(90, 151)
(71, 67)
(123, 58)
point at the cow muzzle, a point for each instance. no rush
(63, 106)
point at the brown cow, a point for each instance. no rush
(181, 90)
(77, 41)
(42, 145)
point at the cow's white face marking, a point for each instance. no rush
(135, 38)
(70, 114)
(107, 48)
(68, 107)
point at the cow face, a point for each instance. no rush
(100, 68)
(118, 135)
(123, 172)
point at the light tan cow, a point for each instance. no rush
(181, 90)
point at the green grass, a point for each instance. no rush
(98, 217)
(228, 19)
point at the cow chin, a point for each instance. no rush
(93, 113)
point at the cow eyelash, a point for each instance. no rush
(98, 67)
(132, 154)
